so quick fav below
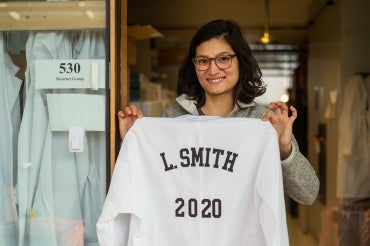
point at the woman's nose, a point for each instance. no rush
(213, 68)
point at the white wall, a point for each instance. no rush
(339, 46)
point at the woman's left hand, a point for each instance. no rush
(283, 124)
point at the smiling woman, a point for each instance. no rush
(219, 78)
(230, 92)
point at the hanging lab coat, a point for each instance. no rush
(92, 170)
(37, 203)
(65, 190)
(78, 180)
(9, 126)
(354, 141)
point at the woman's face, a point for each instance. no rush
(216, 81)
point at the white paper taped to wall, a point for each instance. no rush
(66, 110)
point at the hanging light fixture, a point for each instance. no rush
(265, 39)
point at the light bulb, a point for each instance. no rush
(265, 39)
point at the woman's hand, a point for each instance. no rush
(126, 118)
(283, 124)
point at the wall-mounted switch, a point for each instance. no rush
(76, 139)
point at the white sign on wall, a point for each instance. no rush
(58, 74)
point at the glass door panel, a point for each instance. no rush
(54, 111)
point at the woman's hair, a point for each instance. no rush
(249, 85)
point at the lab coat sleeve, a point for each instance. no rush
(269, 186)
(118, 206)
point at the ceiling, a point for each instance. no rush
(288, 24)
(178, 19)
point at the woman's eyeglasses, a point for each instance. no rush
(202, 63)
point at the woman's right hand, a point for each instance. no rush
(126, 118)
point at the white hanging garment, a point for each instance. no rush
(38, 191)
(57, 218)
(9, 126)
(90, 45)
(69, 189)
(92, 178)
(354, 141)
(187, 181)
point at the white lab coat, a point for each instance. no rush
(354, 141)
(167, 190)
(35, 189)
(9, 127)
(92, 178)
(61, 193)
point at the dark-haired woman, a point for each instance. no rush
(220, 77)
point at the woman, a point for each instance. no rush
(220, 77)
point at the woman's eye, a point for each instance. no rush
(202, 61)
(223, 59)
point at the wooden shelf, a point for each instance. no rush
(72, 15)
(139, 32)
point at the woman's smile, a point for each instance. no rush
(215, 80)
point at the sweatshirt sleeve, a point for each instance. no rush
(300, 179)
